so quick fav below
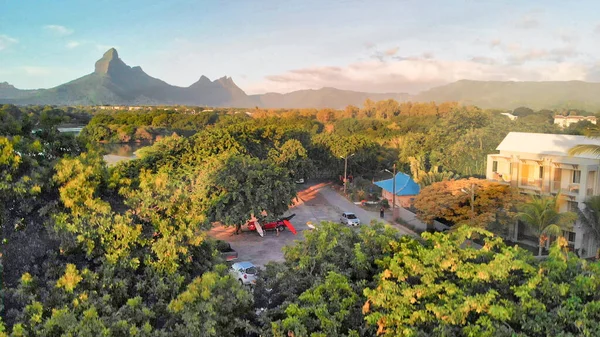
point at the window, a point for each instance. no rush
(572, 206)
(570, 236)
(576, 176)
(495, 166)
(541, 172)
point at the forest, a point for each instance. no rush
(92, 250)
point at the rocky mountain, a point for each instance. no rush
(115, 83)
(510, 95)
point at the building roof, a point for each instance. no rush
(574, 117)
(545, 143)
(404, 185)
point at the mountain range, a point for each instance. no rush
(115, 83)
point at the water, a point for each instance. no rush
(115, 152)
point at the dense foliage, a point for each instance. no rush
(92, 250)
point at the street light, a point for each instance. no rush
(346, 170)
(472, 192)
(393, 189)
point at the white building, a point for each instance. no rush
(539, 164)
(509, 115)
(565, 121)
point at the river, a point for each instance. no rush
(115, 152)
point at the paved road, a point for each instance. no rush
(315, 203)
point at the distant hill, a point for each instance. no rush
(322, 98)
(510, 95)
(115, 83)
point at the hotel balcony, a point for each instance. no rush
(502, 178)
(529, 183)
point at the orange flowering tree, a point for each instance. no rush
(476, 202)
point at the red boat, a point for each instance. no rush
(279, 224)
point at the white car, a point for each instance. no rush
(244, 272)
(349, 219)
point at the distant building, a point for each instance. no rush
(406, 189)
(539, 164)
(509, 115)
(565, 121)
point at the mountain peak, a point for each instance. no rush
(6, 85)
(109, 61)
(111, 54)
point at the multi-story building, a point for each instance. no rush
(565, 121)
(540, 164)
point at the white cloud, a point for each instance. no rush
(527, 22)
(37, 71)
(413, 75)
(58, 30)
(6, 41)
(73, 44)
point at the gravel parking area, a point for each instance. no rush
(315, 203)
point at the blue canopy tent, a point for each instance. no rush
(405, 186)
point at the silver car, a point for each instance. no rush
(244, 272)
(349, 219)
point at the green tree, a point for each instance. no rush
(590, 218)
(542, 216)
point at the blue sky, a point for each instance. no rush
(270, 45)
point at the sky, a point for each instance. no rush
(282, 46)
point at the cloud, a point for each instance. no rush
(527, 22)
(6, 41)
(369, 45)
(58, 30)
(414, 75)
(483, 60)
(391, 51)
(495, 43)
(37, 71)
(73, 44)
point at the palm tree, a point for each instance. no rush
(587, 148)
(542, 216)
(590, 217)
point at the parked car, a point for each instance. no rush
(225, 250)
(244, 272)
(349, 219)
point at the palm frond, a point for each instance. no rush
(585, 148)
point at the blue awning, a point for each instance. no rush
(404, 185)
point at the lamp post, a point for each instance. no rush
(346, 170)
(393, 189)
(472, 192)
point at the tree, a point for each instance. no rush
(294, 157)
(587, 148)
(236, 187)
(214, 304)
(590, 218)
(442, 287)
(543, 218)
(476, 202)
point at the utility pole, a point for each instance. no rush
(393, 190)
(472, 192)
(346, 171)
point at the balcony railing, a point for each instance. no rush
(534, 183)
(501, 177)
